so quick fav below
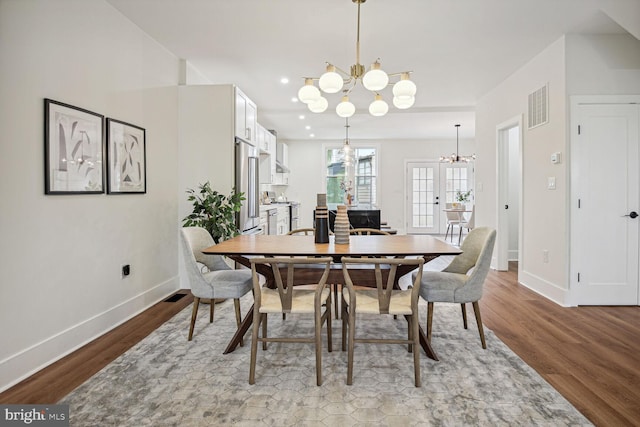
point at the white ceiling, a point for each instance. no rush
(458, 50)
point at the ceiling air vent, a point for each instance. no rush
(539, 107)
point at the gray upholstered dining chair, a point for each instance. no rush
(462, 281)
(383, 299)
(213, 278)
(307, 299)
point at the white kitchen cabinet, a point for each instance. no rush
(281, 178)
(283, 219)
(264, 222)
(246, 115)
(264, 139)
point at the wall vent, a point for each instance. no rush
(539, 107)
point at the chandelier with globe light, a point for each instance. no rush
(375, 80)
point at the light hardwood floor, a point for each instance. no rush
(589, 354)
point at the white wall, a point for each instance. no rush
(307, 173)
(605, 64)
(544, 211)
(61, 256)
(573, 65)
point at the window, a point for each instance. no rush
(358, 175)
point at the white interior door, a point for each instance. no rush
(605, 195)
(423, 199)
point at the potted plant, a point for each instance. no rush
(214, 211)
(462, 197)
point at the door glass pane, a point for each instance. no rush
(422, 201)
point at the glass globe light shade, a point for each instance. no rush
(331, 82)
(318, 106)
(402, 103)
(375, 79)
(378, 107)
(308, 92)
(345, 108)
(405, 87)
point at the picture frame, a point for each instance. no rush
(74, 146)
(126, 158)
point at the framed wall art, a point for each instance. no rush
(74, 148)
(127, 168)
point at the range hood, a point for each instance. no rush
(282, 156)
(280, 168)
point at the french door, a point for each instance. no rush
(429, 186)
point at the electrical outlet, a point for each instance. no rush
(545, 256)
(126, 270)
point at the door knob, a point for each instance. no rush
(633, 214)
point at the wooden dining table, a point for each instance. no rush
(242, 248)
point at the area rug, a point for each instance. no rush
(166, 380)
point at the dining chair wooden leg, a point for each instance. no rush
(409, 334)
(335, 294)
(264, 330)
(345, 326)
(254, 346)
(318, 344)
(476, 310)
(464, 315)
(414, 326)
(194, 314)
(447, 232)
(236, 304)
(211, 309)
(351, 339)
(429, 320)
(327, 318)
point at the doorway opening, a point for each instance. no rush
(509, 180)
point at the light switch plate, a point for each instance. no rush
(551, 185)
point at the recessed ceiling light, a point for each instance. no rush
(294, 99)
(301, 116)
(284, 80)
(307, 127)
(312, 135)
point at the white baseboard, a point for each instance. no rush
(545, 288)
(25, 363)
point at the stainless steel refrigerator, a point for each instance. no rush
(247, 181)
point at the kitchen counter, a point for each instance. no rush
(273, 206)
(358, 217)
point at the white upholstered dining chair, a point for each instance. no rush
(210, 277)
